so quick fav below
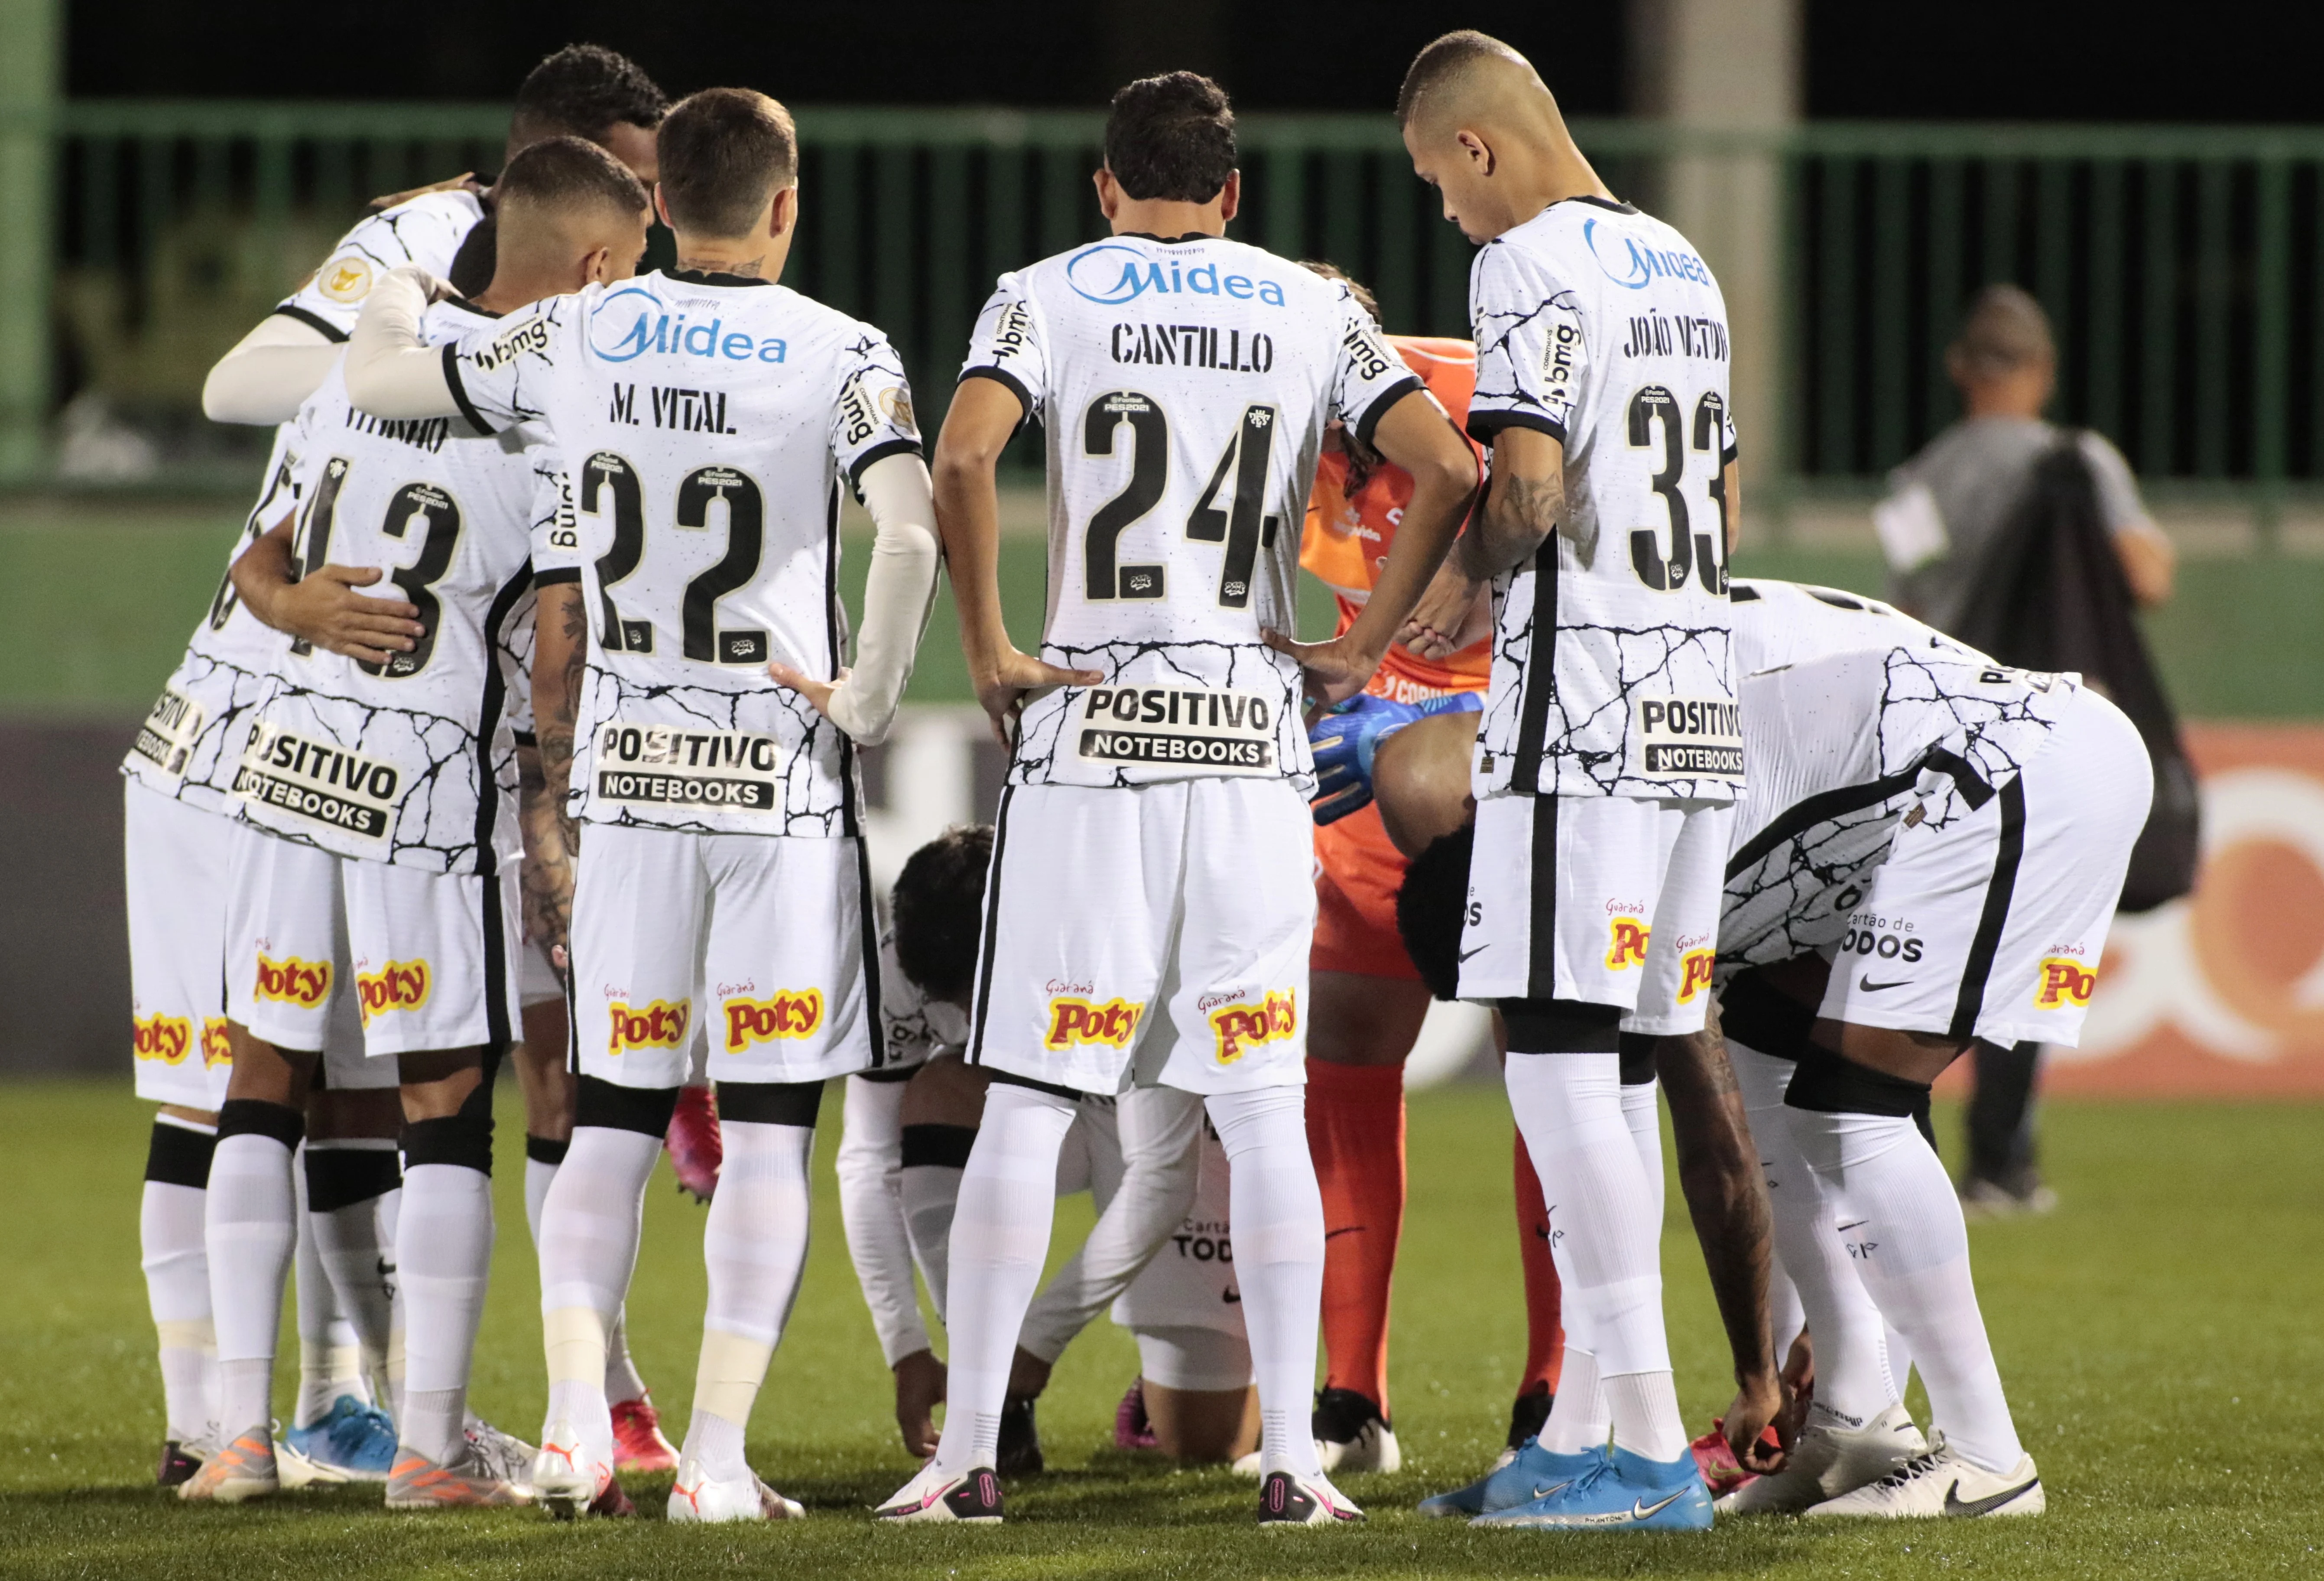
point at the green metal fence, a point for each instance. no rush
(2183, 267)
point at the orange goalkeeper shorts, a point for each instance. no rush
(1358, 872)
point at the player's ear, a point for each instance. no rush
(1476, 150)
(1109, 192)
(661, 207)
(1231, 195)
(783, 213)
(597, 267)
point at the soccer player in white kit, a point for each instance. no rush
(382, 764)
(1951, 836)
(710, 417)
(1149, 909)
(1609, 755)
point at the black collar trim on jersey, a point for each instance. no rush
(712, 277)
(468, 305)
(1174, 240)
(1615, 204)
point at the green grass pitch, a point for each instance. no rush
(2159, 1334)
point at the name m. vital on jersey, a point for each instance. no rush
(345, 791)
(658, 765)
(1210, 729)
(1689, 737)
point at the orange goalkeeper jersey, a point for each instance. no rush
(1347, 541)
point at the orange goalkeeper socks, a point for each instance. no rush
(1355, 1129)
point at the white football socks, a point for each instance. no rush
(1644, 1116)
(622, 1380)
(588, 1239)
(754, 1246)
(1278, 1213)
(1157, 1127)
(1898, 1213)
(177, 1291)
(930, 1194)
(443, 1255)
(870, 1166)
(252, 1228)
(1608, 1250)
(1000, 1240)
(330, 1359)
(1852, 1375)
(1577, 1411)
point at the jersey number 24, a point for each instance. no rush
(1241, 523)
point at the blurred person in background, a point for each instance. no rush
(1968, 529)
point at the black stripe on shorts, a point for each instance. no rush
(1989, 926)
(985, 946)
(1541, 928)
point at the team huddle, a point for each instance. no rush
(525, 724)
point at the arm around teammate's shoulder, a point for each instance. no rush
(269, 371)
(391, 371)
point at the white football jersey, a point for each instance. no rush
(1855, 716)
(915, 1027)
(411, 760)
(1185, 387)
(1599, 326)
(707, 422)
(193, 738)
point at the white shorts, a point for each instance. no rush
(1154, 934)
(754, 945)
(1208, 1359)
(1992, 927)
(1579, 897)
(1191, 1282)
(179, 864)
(536, 979)
(420, 960)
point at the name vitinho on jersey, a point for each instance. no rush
(1111, 273)
(421, 433)
(632, 322)
(686, 412)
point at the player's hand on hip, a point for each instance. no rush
(325, 609)
(816, 692)
(1003, 690)
(1329, 672)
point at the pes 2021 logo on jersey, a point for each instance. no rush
(1241, 1028)
(1113, 272)
(2064, 983)
(786, 1013)
(164, 1038)
(657, 1025)
(1080, 1020)
(627, 323)
(397, 985)
(291, 981)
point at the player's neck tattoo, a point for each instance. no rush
(749, 268)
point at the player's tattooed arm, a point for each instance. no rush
(1727, 1198)
(1525, 502)
(983, 414)
(322, 608)
(545, 879)
(560, 650)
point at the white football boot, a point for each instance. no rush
(1830, 1460)
(1288, 1499)
(972, 1497)
(572, 1469)
(1941, 1484)
(698, 1498)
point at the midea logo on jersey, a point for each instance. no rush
(1113, 272)
(1635, 267)
(622, 330)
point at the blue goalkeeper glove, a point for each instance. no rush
(1345, 738)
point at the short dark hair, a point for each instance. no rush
(1429, 907)
(569, 172)
(583, 89)
(1356, 288)
(1171, 137)
(724, 152)
(1442, 61)
(939, 910)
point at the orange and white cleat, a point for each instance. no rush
(243, 1469)
(697, 1498)
(469, 1481)
(573, 1477)
(695, 1146)
(638, 1442)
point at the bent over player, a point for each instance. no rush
(1149, 909)
(710, 417)
(1608, 757)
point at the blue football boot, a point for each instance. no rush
(355, 1439)
(1626, 1493)
(1532, 1472)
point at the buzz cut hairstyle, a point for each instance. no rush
(562, 174)
(1171, 138)
(937, 908)
(2005, 331)
(583, 91)
(724, 152)
(1429, 910)
(1442, 62)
